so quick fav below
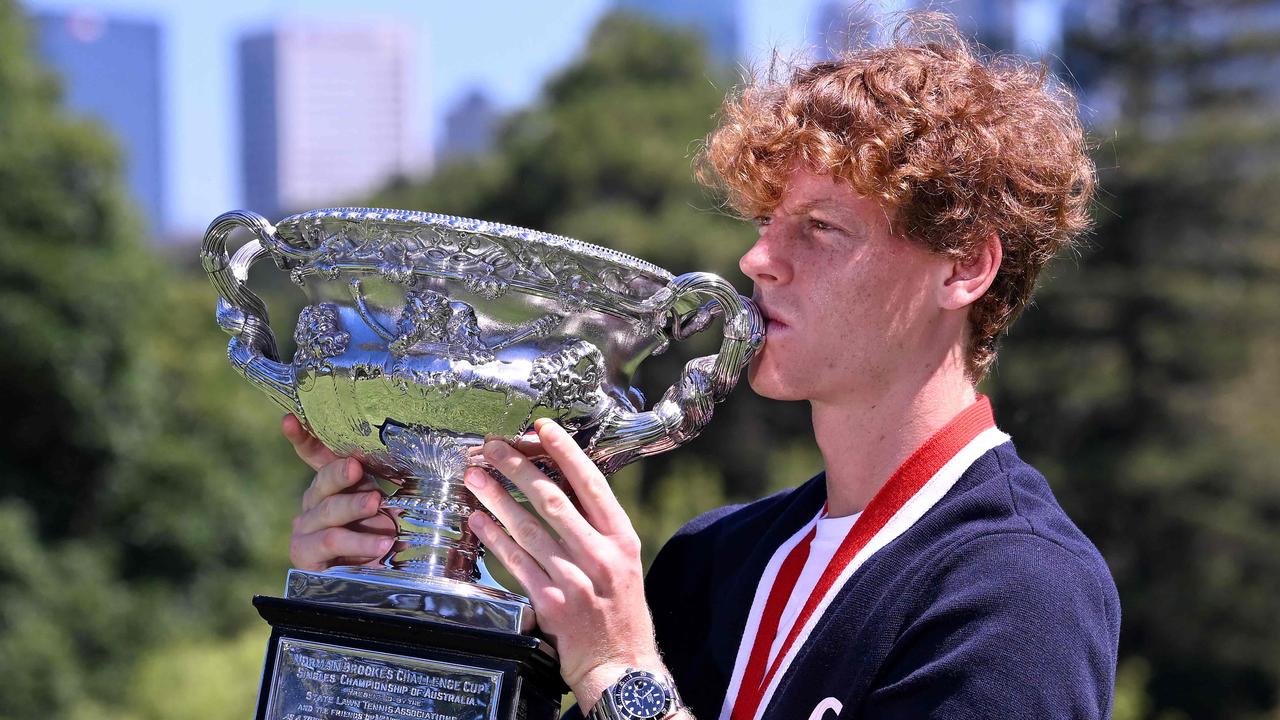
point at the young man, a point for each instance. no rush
(907, 196)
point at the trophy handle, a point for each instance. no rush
(687, 406)
(241, 313)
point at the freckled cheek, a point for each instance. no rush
(847, 333)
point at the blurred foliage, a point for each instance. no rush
(1144, 384)
(145, 491)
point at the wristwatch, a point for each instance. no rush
(638, 695)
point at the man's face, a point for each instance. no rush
(850, 307)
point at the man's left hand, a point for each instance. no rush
(586, 586)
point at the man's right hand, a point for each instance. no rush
(340, 522)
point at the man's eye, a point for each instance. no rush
(819, 225)
(762, 220)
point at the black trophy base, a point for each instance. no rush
(329, 662)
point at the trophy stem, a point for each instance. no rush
(433, 538)
(436, 568)
(431, 508)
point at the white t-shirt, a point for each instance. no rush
(826, 540)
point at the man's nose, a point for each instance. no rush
(764, 262)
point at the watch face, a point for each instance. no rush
(641, 697)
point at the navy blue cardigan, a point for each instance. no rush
(993, 605)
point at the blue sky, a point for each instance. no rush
(508, 48)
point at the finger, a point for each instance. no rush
(381, 522)
(527, 571)
(338, 510)
(530, 444)
(341, 474)
(325, 548)
(546, 497)
(311, 450)
(522, 526)
(589, 484)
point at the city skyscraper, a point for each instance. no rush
(325, 114)
(470, 126)
(1033, 28)
(110, 71)
(1030, 27)
(716, 20)
(992, 22)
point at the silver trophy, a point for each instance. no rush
(428, 334)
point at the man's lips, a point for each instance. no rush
(772, 321)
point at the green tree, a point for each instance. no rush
(1144, 382)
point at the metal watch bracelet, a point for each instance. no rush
(619, 701)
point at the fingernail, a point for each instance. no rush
(384, 546)
(540, 423)
(496, 449)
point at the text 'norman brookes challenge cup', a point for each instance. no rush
(426, 333)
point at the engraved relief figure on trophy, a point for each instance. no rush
(436, 356)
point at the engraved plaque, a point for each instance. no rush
(316, 681)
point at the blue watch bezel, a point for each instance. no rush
(632, 676)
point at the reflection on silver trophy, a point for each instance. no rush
(427, 333)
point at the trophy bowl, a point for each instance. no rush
(427, 334)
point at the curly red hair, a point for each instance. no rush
(954, 146)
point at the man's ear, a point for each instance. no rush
(970, 276)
